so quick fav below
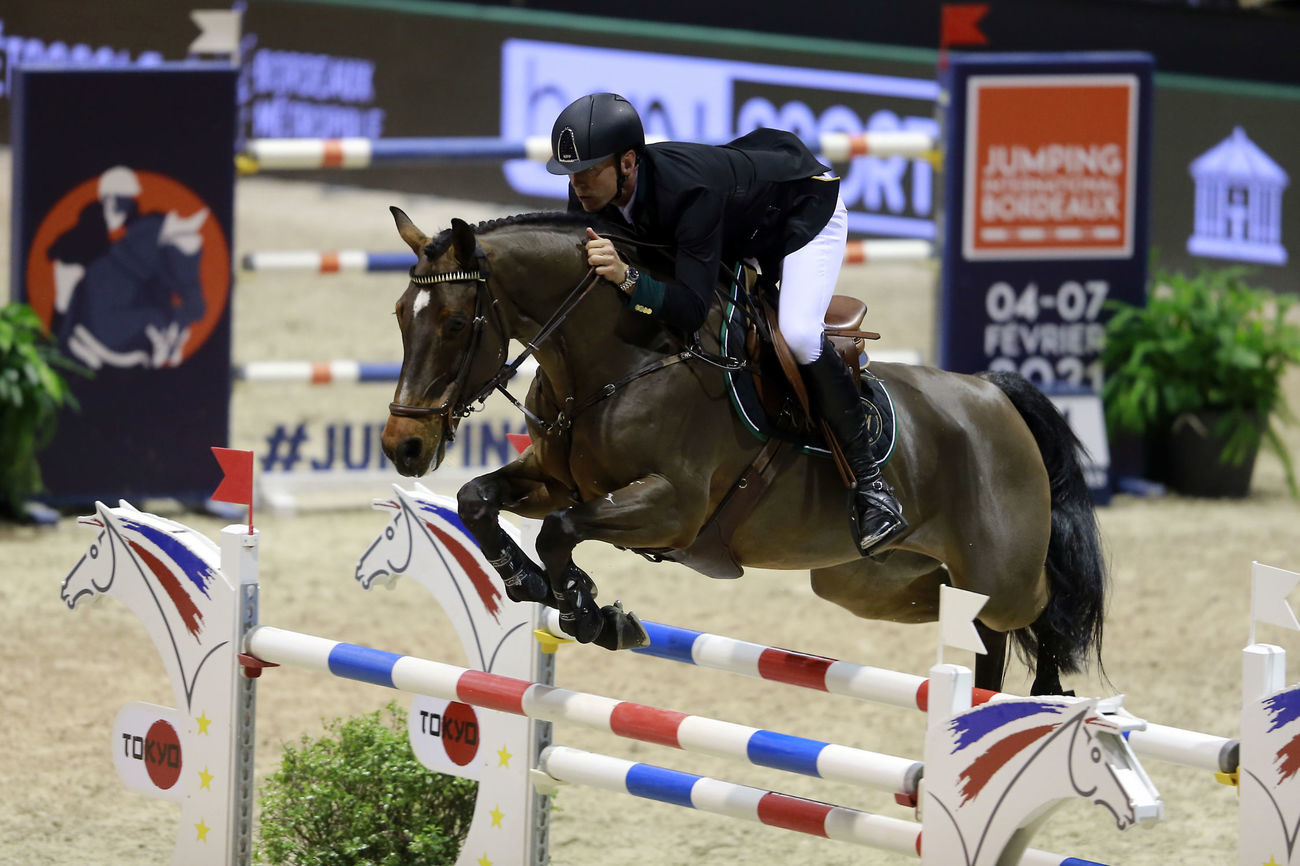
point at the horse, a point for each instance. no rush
(635, 444)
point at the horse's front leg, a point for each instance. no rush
(480, 502)
(649, 512)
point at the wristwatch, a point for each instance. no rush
(629, 280)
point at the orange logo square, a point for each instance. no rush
(1051, 165)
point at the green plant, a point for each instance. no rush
(358, 797)
(1204, 343)
(31, 393)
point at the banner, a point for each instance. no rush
(1048, 167)
(123, 212)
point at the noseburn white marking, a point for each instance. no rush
(421, 301)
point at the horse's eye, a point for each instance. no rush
(455, 324)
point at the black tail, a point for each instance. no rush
(1071, 624)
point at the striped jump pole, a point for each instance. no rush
(865, 252)
(262, 154)
(317, 372)
(328, 262)
(893, 688)
(622, 718)
(704, 794)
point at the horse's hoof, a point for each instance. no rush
(622, 629)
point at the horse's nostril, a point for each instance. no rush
(411, 449)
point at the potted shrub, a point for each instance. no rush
(1198, 372)
(31, 394)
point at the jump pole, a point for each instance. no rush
(1199, 751)
(263, 154)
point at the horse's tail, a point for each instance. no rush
(1071, 624)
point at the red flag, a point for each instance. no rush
(237, 485)
(959, 24)
(237, 481)
(520, 441)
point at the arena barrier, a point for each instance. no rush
(264, 154)
(363, 261)
(198, 602)
(1261, 764)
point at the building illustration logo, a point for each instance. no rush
(1238, 203)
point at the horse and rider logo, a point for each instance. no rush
(129, 269)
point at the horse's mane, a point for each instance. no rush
(557, 219)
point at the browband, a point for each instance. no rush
(453, 277)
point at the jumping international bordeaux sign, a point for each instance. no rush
(1048, 163)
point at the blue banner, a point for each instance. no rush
(123, 217)
(1046, 209)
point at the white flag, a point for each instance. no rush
(1269, 588)
(218, 32)
(957, 611)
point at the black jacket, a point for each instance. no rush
(761, 196)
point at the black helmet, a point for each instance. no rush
(592, 128)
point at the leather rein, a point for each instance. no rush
(452, 406)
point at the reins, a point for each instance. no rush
(498, 381)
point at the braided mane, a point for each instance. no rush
(559, 219)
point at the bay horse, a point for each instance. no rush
(634, 449)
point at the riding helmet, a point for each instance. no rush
(592, 128)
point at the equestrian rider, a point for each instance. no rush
(763, 196)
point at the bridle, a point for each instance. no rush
(453, 407)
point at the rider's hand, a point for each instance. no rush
(602, 256)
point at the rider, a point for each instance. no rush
(763, 197)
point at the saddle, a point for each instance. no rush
(779, 384)
(775, 380)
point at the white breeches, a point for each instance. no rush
(808, 277)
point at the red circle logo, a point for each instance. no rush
(460, 733)
(162, 754)
(125, 226)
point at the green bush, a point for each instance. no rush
(31, 394)
(358, 797)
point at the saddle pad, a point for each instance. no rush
(749, 408)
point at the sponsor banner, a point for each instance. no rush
(123, 250)
(1048, 164)
(146, 747)
(695, 98)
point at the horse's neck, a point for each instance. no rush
(583, 353)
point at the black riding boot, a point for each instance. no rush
(877, 515)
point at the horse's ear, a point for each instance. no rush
(415, 239)
(463, 242)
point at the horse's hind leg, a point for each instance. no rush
(991, 665)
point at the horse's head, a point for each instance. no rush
(389, 556)
(441, 315)
(1103, 768)
(93, 574)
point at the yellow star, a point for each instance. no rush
(504, 756)
(203, 721)
(1272, 862)
(484, 861)
(203, 831)
(497, 815)
(205, 779)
